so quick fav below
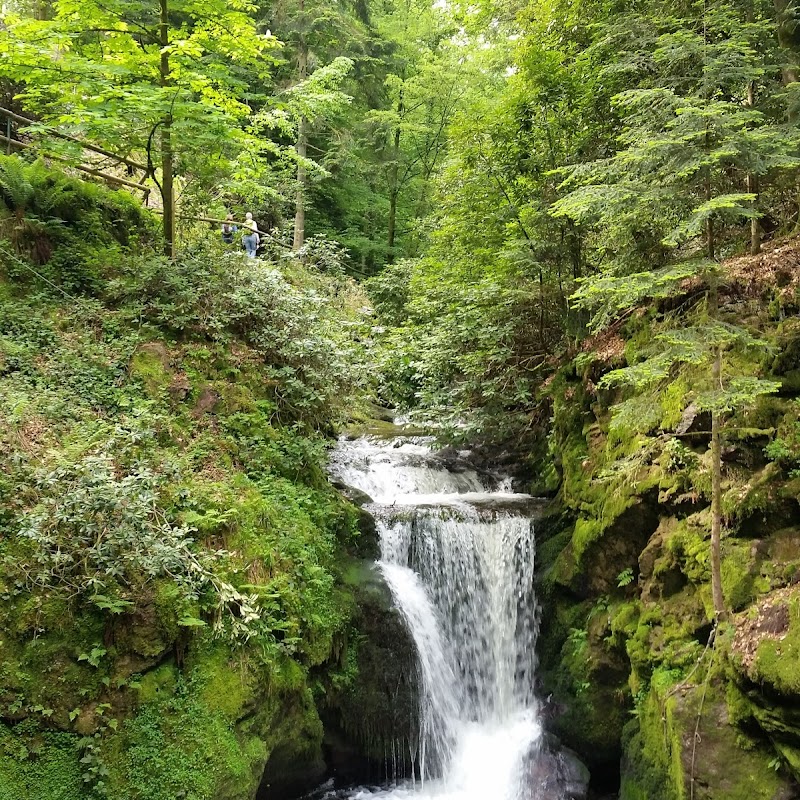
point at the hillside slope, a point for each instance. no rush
(627, 648)
(172, 557)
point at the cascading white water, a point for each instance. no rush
(459, 561)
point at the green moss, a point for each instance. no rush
(39, 765)
(662, 757)
(586, 532)
(624, 620)
(548, 552)
(791, 755)
(689, 544)
(651, 755)
(673, 403)
(157, 684)
(742, 581)
(148, 367)
(177, 748)
(225, 686)
(777, 659)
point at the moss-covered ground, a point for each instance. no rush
(171, 554)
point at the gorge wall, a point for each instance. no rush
(626, 660)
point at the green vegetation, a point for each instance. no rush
(170, 546)
(574, 225)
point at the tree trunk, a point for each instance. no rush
(752, 185)
(755, 224)
(167, 188)
(716, 500)
(394, 187)
(784, 10)
(302, 146)
(711, 249)
(302, 178)
(785, 13)
(710, 244)
(716, 470)
(43, 10)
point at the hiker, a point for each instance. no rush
(228, 229)
(251, 239)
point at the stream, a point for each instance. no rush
(457, 552)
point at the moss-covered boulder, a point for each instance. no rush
(682, 745)
(765, 658)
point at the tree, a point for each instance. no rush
(675, 185)
(168, 79)
(319, 35)
(427, 80)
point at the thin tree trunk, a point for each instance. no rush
(752, 185)
(784, 10)
(394, 188)
(302, 179)
(302, 146)
(717, 594)
(43, 10)
(755, 224)
(167, 188)
(785, 13)
(716, 439)
(716, 499)
(710, 242)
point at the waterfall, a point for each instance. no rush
(457, 553)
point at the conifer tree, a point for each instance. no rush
(688, 150)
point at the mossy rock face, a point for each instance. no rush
(598, 552)
(683, 745)
(295, 762)
(766, 646)
(293, 768)
(367, 545)
(208, 730)
(765, 657)
(372, 703)
(587, 683)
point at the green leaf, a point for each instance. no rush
(191, 622)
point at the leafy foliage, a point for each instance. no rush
(163, 492)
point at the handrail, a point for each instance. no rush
(81, 168)
(122, 159)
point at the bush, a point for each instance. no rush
(308, 341)
(100, 535)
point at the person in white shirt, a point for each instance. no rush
(251, 239)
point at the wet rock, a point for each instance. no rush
(368, 716)
(355, 496)
(558, 774)
(289, 773)
(368, 545)
(522, 505)
(382, 413)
